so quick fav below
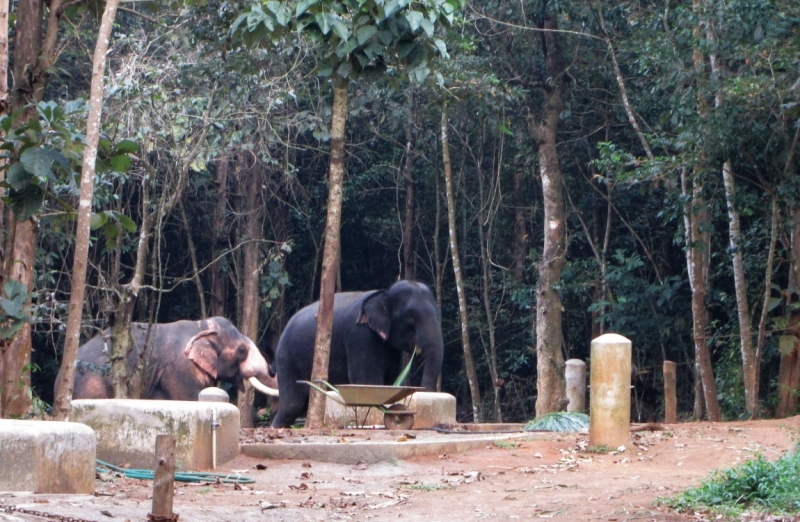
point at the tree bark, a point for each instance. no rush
(63, 398)
(698, 249)
(485, 229)
(330, 257)
(409, 253)
(251, 302)
(198, 282)
(789, 374)
(749, 362)
(550, 365)
(698, 246)
(469, 364)
(220, 237)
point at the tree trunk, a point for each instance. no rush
(749, 362)
(550, 365)
(251, 303)
(789, 373)
(469, 364)
(15, 400)
(486, 216)
(698, 249)
(409, 253)
(330, 257)
(220, 237)
(198, 282)
(698, 245)
(63, 398)
(520, 244)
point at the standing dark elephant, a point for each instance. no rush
(184, 358)
(371, 330)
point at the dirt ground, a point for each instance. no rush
(543, 476)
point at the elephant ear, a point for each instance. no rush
(202, 351)
(375, 312)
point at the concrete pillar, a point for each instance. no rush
(610, 391)
(670, 392)
(575, 375)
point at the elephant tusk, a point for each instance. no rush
(266, 390)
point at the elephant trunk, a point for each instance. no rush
(432, 346)
(254, 369)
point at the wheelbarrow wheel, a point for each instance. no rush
(398, 421)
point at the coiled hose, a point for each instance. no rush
(180, 476)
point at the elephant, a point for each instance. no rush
(185, 357)
(371, 330)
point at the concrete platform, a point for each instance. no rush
(46, 457)
(370, 446)
(126, 430)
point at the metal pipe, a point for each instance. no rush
(214, 425)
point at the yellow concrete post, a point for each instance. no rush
(575, 375)
(610, 391)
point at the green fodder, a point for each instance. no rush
(758, 484)
(559, 421)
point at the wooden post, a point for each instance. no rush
(163, 480)
(670, 393)
(575, 375)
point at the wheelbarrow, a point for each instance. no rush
(395, 415)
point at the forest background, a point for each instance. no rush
(626, 167)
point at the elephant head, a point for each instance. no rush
(406, 317)
(224, 353)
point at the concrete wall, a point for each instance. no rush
(46, 457)
(126, 430)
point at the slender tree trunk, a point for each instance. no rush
(550, 365)
(485, 239)
(330, 257)
(218, 279)
(251, 303)
(469, 364)
(789, 374)
(698, 245)
(698, 252)
(409, 253)
(198, 282)
(63, 397)
(749, 361)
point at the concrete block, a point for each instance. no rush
(339, 416)
(432, 409)
(126, 430)
(46, 457)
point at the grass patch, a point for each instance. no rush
(506, 444)
(755, 485)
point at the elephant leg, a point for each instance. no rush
(293, 400)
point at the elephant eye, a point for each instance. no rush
(241, 352)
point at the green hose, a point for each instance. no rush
(180, 476)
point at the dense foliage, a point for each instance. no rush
(179, 77)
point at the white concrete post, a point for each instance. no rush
(575, 375)
(610, 391)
